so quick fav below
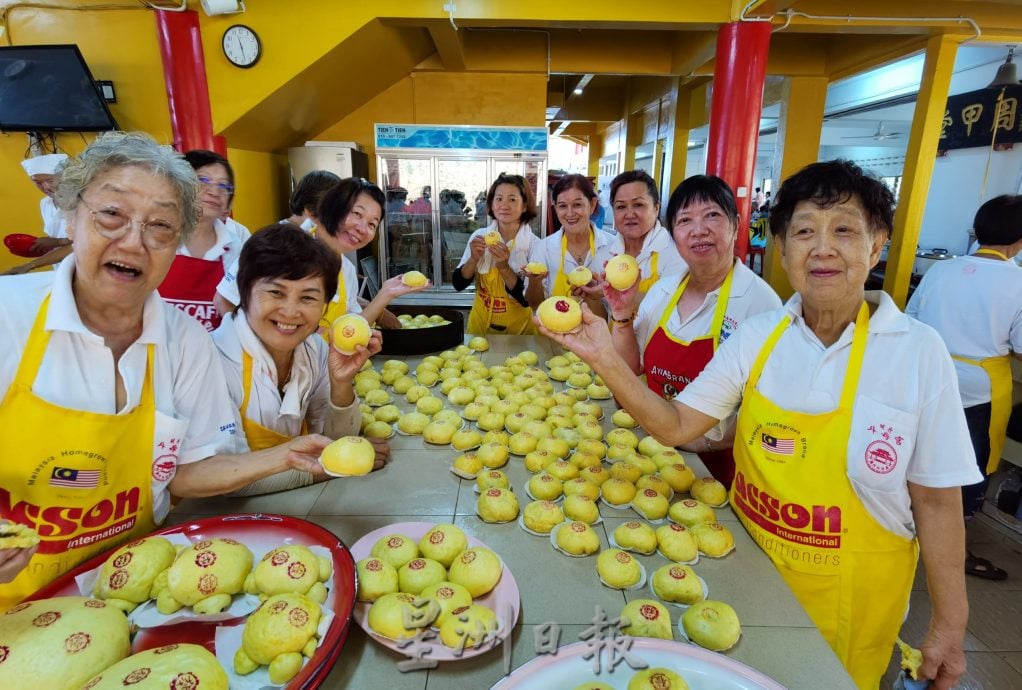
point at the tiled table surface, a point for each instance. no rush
(778, 638)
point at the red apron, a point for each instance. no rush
(190, 286)
(671, 364)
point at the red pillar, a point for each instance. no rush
(738, 77)
(184, 71)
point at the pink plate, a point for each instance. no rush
(255, 531)
(501, 598)
(699, 667)
(20, 244)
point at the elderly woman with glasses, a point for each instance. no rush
(496, 262)
(212, 248)
(113, 399)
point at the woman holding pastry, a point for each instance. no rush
(282, 379)
(685, 316)
(574, 255)
(495, 258)
(113, 398)
(848, 418)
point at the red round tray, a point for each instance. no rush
(248, 528)
(20, 244)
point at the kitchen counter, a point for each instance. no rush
(778, 638)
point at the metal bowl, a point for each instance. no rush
(421, 341)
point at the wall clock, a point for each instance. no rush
(241, 46)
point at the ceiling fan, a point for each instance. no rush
(878, 135)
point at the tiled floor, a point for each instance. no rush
(993, 643)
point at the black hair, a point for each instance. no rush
(523, 188)
(704, 188)
(284, 250)
(630, 176)
(829, 183)
(998, 222)
(310, 190)
(200, 158)
(579, 182)
(337, 202)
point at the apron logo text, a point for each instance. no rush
(106, 518)
(787, 520)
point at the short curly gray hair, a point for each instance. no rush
(121, 149)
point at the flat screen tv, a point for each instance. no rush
(49, 89)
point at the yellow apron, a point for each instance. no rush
(258, 436)
(561, 287)
(494, 311)
(81, 479)
(334, 309)
(718, 312)
(999, 371)
(646, 283)
(792, 493)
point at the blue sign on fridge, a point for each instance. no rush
(455, 137)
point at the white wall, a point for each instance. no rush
(955, 193)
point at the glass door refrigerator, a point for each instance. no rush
(435, 179)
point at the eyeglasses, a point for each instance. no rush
(221, 187)
(113, 224)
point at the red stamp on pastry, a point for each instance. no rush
(881, 457)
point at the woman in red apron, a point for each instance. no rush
(210, 249)
(284, 380)
(851, 446)
(686, 315)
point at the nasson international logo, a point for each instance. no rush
(807, 525)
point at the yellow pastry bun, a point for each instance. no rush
(709, 491)
(560, 315)
(622, 469)
(497, 505)
(581, 508)
(439, 432)
(170, 666)
(668, 456)
(657, 483)
(537, 460)
(535, 268)
(350, 331)
(636, 536)
(592, 446)
(622, 437)
(577, 538)
(60, 642)
(418, 574)
(290, 569)
(657, 679)
(545, 487)
(465, 439)
(388, 615)
(378, 398)
(679, 476)
(348, 456)
(387, 414)
(584, 461)
(204, 576)
(618, 569)
(677, 584)
(14, 535)
(712, 624)
(650, 446)
(447, 597)
(580, 486)
(127, 577)
(647, 618)
(414, 279)
(477, 569)
(443, 543)
(562, 469)
(479, 344)
(468, 627)
(598, 391)
(376, 577)
(492, 479)
(396, 549)
(491, 238)
(676, 543)
(624, 420)
(413, 423)
(429, 405)
(493, 454)
(580, 276)
(618, 492)
(557, 446)
(691, 512)
(651, 504)
(597, 474)
(522, 443)
(278, 634)
(622, 271)
(714, 539)
(542, 516)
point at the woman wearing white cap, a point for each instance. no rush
(43, 171)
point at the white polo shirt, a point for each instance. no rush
(54, 222)
(976, 306)
(750, 295)
(228, 286)
(548, 251)
(907, 392)
(306, 395)
(77, 370)
(520, 248)
(229, 240)
(659, 240)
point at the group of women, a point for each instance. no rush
(838, 473)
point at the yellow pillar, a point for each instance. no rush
(595, 150)
(631, 137)
(798, 145)
(678, 152)
(919, 159)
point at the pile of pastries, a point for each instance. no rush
(413, 585)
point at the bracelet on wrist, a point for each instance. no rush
(709, 448)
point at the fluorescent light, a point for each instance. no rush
(578, 92)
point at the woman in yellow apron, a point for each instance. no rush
(975, 303)
(112, 399)
(577, 244)
(495, 262)
(848, 443)
(283, 381)
(685, 316)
